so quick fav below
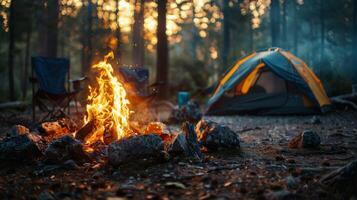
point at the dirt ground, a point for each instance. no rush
(264, 168)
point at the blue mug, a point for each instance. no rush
(183, 98)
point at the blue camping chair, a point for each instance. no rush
(53, 93)
(138, 80)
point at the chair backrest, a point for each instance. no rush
(137, 77)
(51, 73)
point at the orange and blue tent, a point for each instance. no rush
(273, 81)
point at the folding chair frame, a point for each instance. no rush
(57, 107)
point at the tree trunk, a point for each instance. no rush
(284, 27)
(322, 31)
(87, 40)
(354, 45)
(275, 22)
(118, 33)
(11, 51)
(251, 35)
(52, 27)
(27, 61)
(226, 33)
(296, 29)
(195, 35)
(138, 34)
(162, 62)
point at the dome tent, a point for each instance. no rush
(273, 81)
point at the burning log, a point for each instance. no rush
(193, 146)
(26, 147)
(65, 148)
(306, 139)
(342, 180)
(134, 148)
(19, 130)
(57, 129)
(215, 136)
(85, 130)
(179, 145)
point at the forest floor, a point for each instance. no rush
(264, 168)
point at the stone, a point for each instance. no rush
(19, 130)
(46, 195)
(215, 136)
(292, 182)
(22, 147)
(315, 120)
(280, 195)
(70, 165)
(306, 139)
(134, 148)
(65, 148)
(342, 180)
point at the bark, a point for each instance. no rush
(11, 51)
(226, 33)
(354, 39)
(162, 64)
(41, 21)
(284, 26)
(27, 62)
(322, 31)
(195, 36)
(87, 40)
(52, 27)
(275, 22)
(251, 37)
(138, 34)
(296, 29)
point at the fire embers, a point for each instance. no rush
(214, 136)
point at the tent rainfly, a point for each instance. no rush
(273, 81)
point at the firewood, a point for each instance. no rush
(342, 180)
(85, 130)
(192, 142)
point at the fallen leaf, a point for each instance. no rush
(175, 184)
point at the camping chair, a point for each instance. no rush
(141, 94)
(137, 82)
(53, 94)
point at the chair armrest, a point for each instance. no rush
(76, 83)
(33, 80)
(78, 79)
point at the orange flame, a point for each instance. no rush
(108, 105)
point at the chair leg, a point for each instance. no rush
(33, 109)
(69, 107)
(75, 103)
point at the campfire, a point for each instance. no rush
(110, 134)
(107, 109)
